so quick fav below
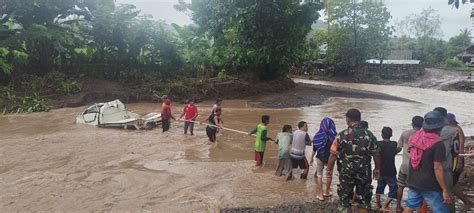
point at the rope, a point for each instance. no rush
(229, 129)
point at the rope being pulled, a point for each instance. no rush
(229, 129)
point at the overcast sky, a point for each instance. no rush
(453, 20)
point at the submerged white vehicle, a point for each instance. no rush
(115, 114)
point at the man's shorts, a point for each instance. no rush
(402, 179)
(302, 163)
(319, 168)
(392, 185)
(433, 198)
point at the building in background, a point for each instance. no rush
(467, 56)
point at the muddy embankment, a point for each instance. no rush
(264, 94)
(443, 80)
(431, 78)
(268, 93)
(94, 90)
(304, 95)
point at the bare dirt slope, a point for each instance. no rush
(443, 80)
(304, 95)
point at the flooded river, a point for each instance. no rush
(48, 163)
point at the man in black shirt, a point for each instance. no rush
(388, 172)
(426, 179)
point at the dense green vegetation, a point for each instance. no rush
(357, 32)
(49, 47)
(264, 37)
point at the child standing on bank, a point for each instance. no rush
(261, 132)
(190, 113)
(283, 140)
(388, 172)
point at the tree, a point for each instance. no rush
(357, 31)
(42, 29)
(108, 30)
(422, 33)
(426, 24)
(265, 36)
(378, 31)
(316, 42)
(459, 42)
(197, 50)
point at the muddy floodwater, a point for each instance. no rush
(48, 163)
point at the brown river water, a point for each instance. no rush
(48, 163)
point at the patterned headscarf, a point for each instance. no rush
(327, 131)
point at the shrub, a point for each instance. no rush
(27, 104)
(69, 87)
(31, 104)
(375, 79)
(453, 63)
(59, 83)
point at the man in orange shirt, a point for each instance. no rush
(166, 114)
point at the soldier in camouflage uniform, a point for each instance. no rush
(354, 146)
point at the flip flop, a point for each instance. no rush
(320, 198)
(328, 194)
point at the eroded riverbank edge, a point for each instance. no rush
(262, 94)
(305, 95)
(431, 78)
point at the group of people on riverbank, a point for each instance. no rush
(431, 162)
(430, 167)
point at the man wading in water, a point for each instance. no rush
(355, 146)
(301, 139)
(261, 132)
(215, 123)
(166, 114)
(190, 113)
(217, 105)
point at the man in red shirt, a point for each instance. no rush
(190, 113)
(166, 114)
